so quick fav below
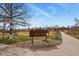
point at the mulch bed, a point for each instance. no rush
(38, 44)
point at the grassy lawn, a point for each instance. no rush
(24, 36)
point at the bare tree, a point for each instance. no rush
(76, 27)
(77, 21)
(13, 14)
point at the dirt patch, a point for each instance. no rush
(38, 44)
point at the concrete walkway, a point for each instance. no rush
(69, 47)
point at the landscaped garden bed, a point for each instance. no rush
(37, 44)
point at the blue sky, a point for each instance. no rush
(50, 14)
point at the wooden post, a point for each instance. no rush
(46, 36)
(32, 42)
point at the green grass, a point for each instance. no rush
(22, 37)
(18, 38)
(56, 36)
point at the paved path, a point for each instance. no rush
(70, 47)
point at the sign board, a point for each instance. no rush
(38, 32)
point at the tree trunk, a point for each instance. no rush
(11, 23)
(3, 31)
(11, 31)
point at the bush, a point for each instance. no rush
(55, 36)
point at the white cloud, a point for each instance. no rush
(41, 11)
(52, 9)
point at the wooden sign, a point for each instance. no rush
(38, 32)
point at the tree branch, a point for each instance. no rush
(4, 10)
